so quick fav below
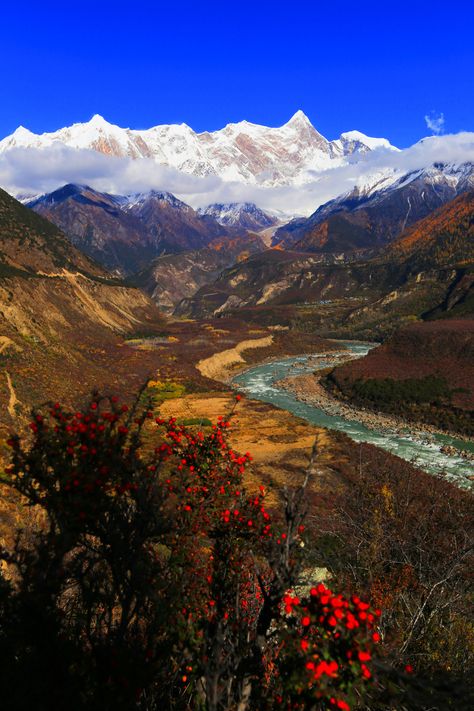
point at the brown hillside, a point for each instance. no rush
(62, 318)
(443, 348)
(445, 236)
(424, 371)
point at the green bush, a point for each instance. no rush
(429, 389)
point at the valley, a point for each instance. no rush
(339, 347)
(196, 283)
(236, 357)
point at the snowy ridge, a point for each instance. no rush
(363, 141)
(134, 199)
(238, 214)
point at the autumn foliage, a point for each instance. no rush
(423, 372)
(154, 579)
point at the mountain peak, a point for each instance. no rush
(98, 120)
(22, 131)
(153, 195)
(245, 215)
(368, 141)
(70, 190)
(299, 118)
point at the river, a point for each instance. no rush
(260, 381)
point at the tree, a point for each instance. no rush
(156, 581)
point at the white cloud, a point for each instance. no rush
(33, 171)
(435, 122)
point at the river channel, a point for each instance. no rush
(423, 450)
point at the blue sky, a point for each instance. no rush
(379, 68)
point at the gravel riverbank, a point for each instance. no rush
(308, 389)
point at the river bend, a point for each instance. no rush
(260, 383)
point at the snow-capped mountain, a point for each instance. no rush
(377, 212)
(356, 142)
(239, 214)
(443, 181)
(241, 152)
(134, 201)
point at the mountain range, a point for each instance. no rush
(173, 251)
(344, 266)
(401, 253)
(426, 272)
(370, 216)
(125, 233)
(242, 152)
